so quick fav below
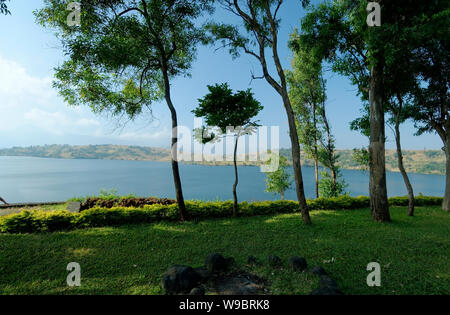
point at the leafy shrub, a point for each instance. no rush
(41, 221)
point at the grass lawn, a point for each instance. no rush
(413, 253)
(58, 207)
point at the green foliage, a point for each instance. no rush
(361, 156)
(118, 57)
(42, 221)
(328, 188)
(279, 181)
(307, 95)
(222, 108)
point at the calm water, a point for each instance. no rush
(24, 179)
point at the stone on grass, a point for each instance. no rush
(74, 207)
(274, 261)
(237, 285)
(230, 262)
(180, 279)
(197, 291)
(298, 263)
(251, 260)
(203, 273)
(327, 282)
(318, 271)
(215, 263)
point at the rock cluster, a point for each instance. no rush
(185, 279)
(216, 274)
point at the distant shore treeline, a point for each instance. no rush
(416, 161)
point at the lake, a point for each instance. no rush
(26, 179)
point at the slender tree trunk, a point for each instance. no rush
(236, 179)
(282, 195)
(378, 192)
(446, 202)
(316, 174)
(175, 169)
(402, 168)
(316, 157)
(281, 88)
(330, 149)
(299, 188)
(333, 178)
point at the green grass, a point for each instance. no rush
(413, 253)
(47, 208)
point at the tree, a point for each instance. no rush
(280, 180)
(307, 95)
(416, 70)
(4, 8)
(307, 92)
(124, 55)
(399, 113)
(261, 24)
(338, 32)
(430, 64)
(231, 113)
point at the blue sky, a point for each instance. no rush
(33, 114)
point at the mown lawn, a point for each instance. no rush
(413, 253)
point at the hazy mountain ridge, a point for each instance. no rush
(416, 161)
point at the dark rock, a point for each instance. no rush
(298, 263)
(230, 262)
(215, 263)
(326, 291)
(318, 271)
(327, 282)
(274, 261)
(251, 260)
(203, 273)
(180, 279)
(238, 285)
(197, 291)
(74, 207)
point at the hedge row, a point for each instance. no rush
(41, 221)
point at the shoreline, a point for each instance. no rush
(220, 163)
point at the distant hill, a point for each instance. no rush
(416, 161)
(102, 152)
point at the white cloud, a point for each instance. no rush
(19, 87)
(29, 105)
(52, 122)
(85, 122)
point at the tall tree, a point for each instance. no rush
(307, 91)
(124, 54)
(416, 71)
(430, 41)
(399, 112)
(307, 95)
(261, 27)
(231, 113)
(338, 31)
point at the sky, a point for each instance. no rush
(32, 113)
